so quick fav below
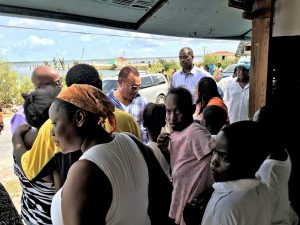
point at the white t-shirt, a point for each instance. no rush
(126, 108)
(240, 202)
(223, 85)
(237, 100)
(124, 165)
(160, 158)
(275, 174)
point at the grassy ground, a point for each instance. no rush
(14, 189)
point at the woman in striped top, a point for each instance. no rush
(37, 194)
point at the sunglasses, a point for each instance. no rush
(135, 87)
(57, 83)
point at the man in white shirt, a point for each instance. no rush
(276, 169)
(190, 75)
(237, 98)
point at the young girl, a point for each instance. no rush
(208, 94)
(154, 118)
(37, 194)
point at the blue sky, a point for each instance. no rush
(68, 41)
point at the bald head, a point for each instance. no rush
(45, 75)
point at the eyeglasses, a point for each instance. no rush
(134, 87)
(57, 83)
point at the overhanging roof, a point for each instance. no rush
(182, 18)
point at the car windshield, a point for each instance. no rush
(230, 68)
(108, 85)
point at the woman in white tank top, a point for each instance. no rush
(109, 184)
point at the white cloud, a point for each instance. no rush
(86, 38)
(40, 41)
(1, 36)
(140, 35)
(4, 51)
(148, 50)
(121, 51)
(103, 42)
(23, 22)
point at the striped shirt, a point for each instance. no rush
(135, 108)
(36, 198)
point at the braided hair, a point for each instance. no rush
(37, 104)
(154, 118)
(207, 89)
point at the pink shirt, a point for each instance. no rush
(190, 158)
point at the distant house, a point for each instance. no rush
(244, 49)
(120, 61)
(223, 55)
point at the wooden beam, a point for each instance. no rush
(261, 29)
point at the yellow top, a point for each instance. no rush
(125, 123)
(44, 148)
(42, 151)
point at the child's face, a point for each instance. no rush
(221, 164)
(177, 113)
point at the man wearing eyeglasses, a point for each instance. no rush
(127, 98)
(41, 77)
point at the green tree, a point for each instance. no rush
(46, 63)
(55, 61)
(62, 62)
(113, 67)
(163, 65)
(214, 59)
(11, 86)
(210, 59)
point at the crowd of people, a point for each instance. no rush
(83, 157)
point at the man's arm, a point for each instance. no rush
(171, 81)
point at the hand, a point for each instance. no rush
(163, 141)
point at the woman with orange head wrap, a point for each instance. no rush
(111, 174)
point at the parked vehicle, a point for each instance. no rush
(228, 71)
(154, 86)
(245, 60)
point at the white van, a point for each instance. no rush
(154, 86)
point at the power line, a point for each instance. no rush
(99, 34)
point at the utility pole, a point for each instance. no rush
(82, 54)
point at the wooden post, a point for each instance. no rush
(261, 29)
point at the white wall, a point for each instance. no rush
(286, 18)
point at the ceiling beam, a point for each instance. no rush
(30, 12)
(150, 13)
